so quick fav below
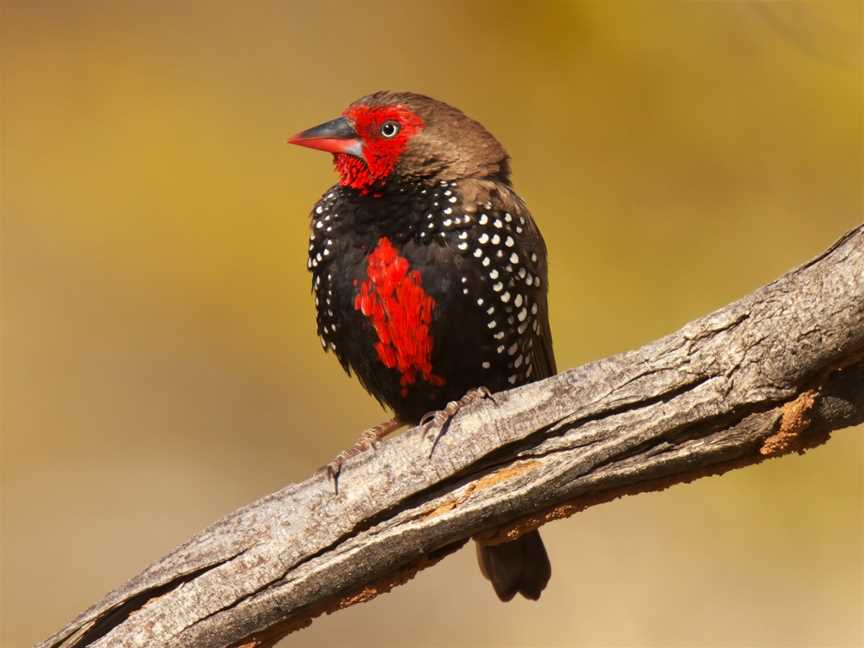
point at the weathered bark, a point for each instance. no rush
(773, 372)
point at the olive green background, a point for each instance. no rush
(160, 363)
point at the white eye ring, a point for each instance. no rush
(389, 129)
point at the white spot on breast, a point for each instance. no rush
(505, 297)
(496, 240)
(533, 309)
(498, 223)
(462, 246)
(493, 274)
(479, 301)
(514, 258)
(490, 310)
(498, 287)
(509, 242)
(486, 364)
(483, 219)
(478, 253)
(518, 301)
(492, 324)
(319, 209)
(500, 349)
(533, 257)
(447, 222)
(484, 238)
(522, 315)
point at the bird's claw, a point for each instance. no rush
(368, 440)
(436, 423)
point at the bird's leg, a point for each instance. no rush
(368, 439)
(439, 421)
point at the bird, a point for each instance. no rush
(429, 278)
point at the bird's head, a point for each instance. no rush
(406, 137)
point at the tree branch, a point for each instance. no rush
(772, 373)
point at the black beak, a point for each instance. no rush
(336, 136)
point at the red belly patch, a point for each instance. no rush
(393, 299)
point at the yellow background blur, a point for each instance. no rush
(160, 363)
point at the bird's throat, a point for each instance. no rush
(354, 173)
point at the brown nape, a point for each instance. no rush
(520, 566)
(451, 146)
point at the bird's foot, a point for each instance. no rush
(368, 440)
(436, 423)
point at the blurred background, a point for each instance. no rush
(160, 363)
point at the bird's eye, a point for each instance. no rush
(389, 129)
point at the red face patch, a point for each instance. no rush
(380, 151)
(401, 311)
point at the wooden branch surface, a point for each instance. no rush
(773, 372)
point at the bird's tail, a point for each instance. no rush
(519, 566)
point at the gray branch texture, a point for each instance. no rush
(774, 372)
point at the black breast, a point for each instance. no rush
(483, 265)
